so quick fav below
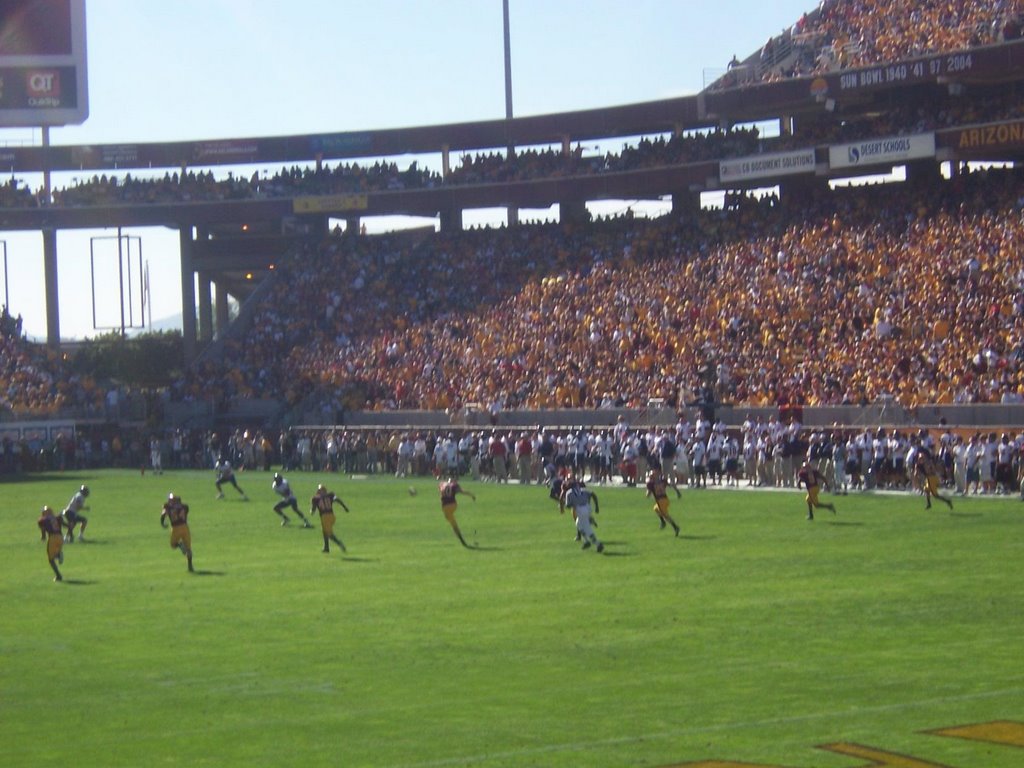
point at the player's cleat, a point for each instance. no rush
(305, 524)
(579, 536)
(810, 516)
(58, 577)
(220, 495)
(284, 521)
(244, 497)
(69, 538)
(325, 550)
(81, 537)
(586, 545)
(662, 527)
(600, 547)
(191, 569)
(677, 529)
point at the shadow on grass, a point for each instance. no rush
(78, 582)
(846, 523)
(72, 478)
(93, 543)
(200, 572)
(350, 559)
(693, 537)
(606, 553)
(966, 514)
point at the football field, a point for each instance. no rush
(883, 635)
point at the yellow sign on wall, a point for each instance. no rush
(330, 203)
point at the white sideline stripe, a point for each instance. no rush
(743, 488)
(585, 745)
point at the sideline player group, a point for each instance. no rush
(568, 489)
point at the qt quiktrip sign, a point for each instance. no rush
(42, 63)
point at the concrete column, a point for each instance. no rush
(223, 316)
(803, 185)
(451, 220)
(320, 226)
(685, 203)
(50, 288)
(50, 258)
(573, 211)
(188, 295)
(205, 309)
(929, 170)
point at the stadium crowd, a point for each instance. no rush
(627, 311)
(32, 379)
(892, 31)
(845, 34)
(907, 292)
(353, 178)
(841, 33)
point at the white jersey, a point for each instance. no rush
(879, 446)
(697, 453)
(283, 490)
(578, 498)
(629, 451)
(1005, 453)
(77, 503)
(714, 448)
(960, 456)
(732, 449)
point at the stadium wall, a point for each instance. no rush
(845, 417)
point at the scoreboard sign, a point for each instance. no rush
(42, 63)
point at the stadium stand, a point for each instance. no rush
(845, 34)
(928, 113)
(628, 311)
(558, 316)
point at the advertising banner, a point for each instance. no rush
(894, 149)
(766, 166)
(330, 204)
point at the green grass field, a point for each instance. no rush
(755, 638)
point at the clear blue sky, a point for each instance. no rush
(197, 69)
